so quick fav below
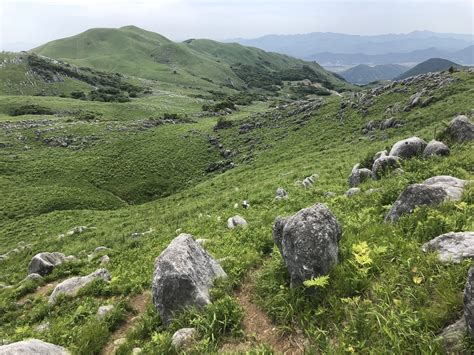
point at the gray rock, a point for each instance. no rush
(431, 192)
(43, 327)
(32, 347)
(236, 221)
(308, 242)
(33, 277)
(44, 263)
(184, 273)
(452, 247)
(309, 181)
(380, 154)
(183, 338)
(408, 148)
(352, 191)
(329, 194)
(104, 259)
(359, 175)
(452, 337)
(103, 311)
(469, 302)
(460, 129)
(436, 148)
(383, 165)
(71, 287)
(281, 194)
(100, 249)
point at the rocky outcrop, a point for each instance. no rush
(32, 347)
(236, 221)
(383, 165)
(183, 338)
(71, 287)
(359, 175)
(469, 302)
(435, 148)
(408, 148)
(44, 263)
(308, 242)
(460, 129)
(184, 273)
(432, 191)
(452, 247)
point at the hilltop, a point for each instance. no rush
(429, 66)
(364, 74)
(200, 63)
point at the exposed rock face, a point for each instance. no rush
(352, 191)
(236, 221)
(384, 164)
(460, 129)
(432, 191)
(358, 175)
(452, 247)
(436, 148)
(32, 347)
(408, 148)
(281, 194)
(44, 263)
(469, 302)
(183, 338)
(72, 286)
(308, 242)
(184, 273)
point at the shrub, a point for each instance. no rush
(31, 109)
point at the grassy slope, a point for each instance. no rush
(431, 65)
(380, 311)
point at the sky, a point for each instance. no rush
(28, 23)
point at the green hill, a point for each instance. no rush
(133, 51)
(429, 66)
(364, 74)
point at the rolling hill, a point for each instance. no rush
(133, 51)
(364, 74)
(429, 66)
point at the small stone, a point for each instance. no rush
(104, 310)
(281, 194)
(183, 338)
(353, 191)
(236, 221)
(104, 259)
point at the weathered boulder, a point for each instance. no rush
(380, 154)
(183, 338)
(184, 273)
(460, 129)
(408, 148)
(32, 347)
(469, 302)
(44, 263)
(432, 191)
(281, 194)
(384, 164)
(352, 191)
(33, 277)
(359, 175)
(71, 287)
(308, 242)
(452, 247)
(236, 221)
(436, 148)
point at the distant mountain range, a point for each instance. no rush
(364, 74)
(336, 48)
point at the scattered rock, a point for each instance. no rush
(136, 351)
(183, 338)
(32, 346)
(469, 302)
(71, 287)
(408, 148)
(281, 194)
(76, 230)
(43, 327)
(431, 192)
(308, 242)
(452, 247)
(33, 277)
(352, 191)
(184, 273)
(359, 175)
(44, 263)
(99, 249)
(236, 221)
(383, 165)
(380, 154)
(141, 234)
(309, 181)
(104, 259)
(452, 337)
(329, 194)
(103, 311)
(460, 129)
(435, 148)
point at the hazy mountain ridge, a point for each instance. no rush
(428, 66)
(364, 74)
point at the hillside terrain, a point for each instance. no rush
(107, 156)
(364, 74)
(429, 66)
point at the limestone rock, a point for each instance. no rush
(281, 194)
(359, 175)
(183, 338)
(452, 247)
(408, 148)
(104, 310)
(436, 148)
(32, 347)
(469, 302)
(460, 129)
(236, 221)
(384, 164)
(44, 263)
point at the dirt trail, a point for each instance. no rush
(44, 290)
(138, 304)
(259, 328)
